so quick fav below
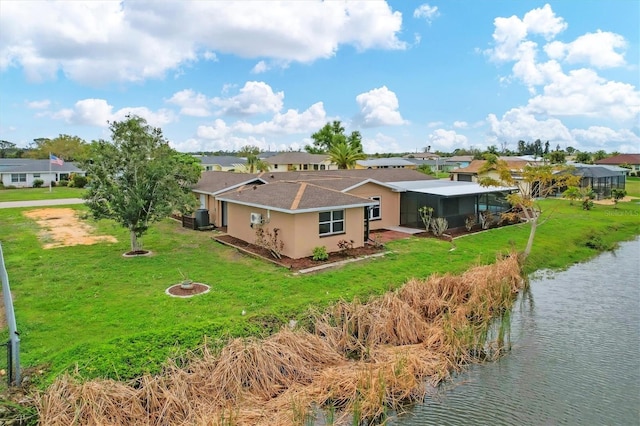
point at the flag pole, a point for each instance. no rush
(49, 171)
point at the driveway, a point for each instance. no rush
(40, 203)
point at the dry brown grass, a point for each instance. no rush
(361, 359)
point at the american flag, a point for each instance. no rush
(55, 160)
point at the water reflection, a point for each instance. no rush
(575, 339)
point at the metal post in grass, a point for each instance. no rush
(13, 360)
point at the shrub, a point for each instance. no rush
(509, 218)
(78, 181)
(425, 214)
(486, 219)
(53, 183)
(345, 246)
(470, 222)
(320, 253)
(37, 183)
(63, 182)
(439, 225)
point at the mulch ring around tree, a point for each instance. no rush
(308, 262)
(178, 290)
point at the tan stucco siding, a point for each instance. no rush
(389, 204)
(298, 232)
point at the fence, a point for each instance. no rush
(13, 345)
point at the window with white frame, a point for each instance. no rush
(331, 222)
(18, 177)
(374, 211)
(36, 175)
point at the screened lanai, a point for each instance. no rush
(452, 200)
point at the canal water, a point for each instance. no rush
(575, 357)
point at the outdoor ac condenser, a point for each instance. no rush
(256, 219)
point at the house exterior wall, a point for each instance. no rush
(28, 183)
(284, 167)
(389, 204)
(298, 232)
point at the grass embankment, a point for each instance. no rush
(87, 307)
(632, 187)
(29, 194)
(355, 359)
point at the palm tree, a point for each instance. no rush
(345, 155)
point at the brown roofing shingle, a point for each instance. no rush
(621, 159)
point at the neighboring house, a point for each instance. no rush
(630, 161)
(463, 160)
(438, 165)
(223, 163)
(601, 178)
(21, 172)
(422, 155)
(292, 161)
(321, 208)
(471, 173)
(385, 163)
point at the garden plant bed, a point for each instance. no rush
(308, 262)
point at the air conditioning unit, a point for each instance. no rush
(256, 219)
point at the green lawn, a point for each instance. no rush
(633, 187)
(24, 194)
(87, 307)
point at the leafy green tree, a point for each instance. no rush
(557, 157)
(333, 134)
(570, 150)
(69, 148)
(535, 181)
(583, 157)
(599, 155)
(572, 193)
(137, 178)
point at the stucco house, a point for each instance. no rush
(292, 161)
(471, 173)
(601, 178)
(629, 161)
(320, 208)
(223, 163)
(21, 172)
(385, 163)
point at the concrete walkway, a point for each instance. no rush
(40, 203)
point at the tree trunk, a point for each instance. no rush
(532, 234)
(134, 240)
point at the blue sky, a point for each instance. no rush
(221, 75)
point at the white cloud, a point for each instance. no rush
(596, 49)
(544, 21)
(583, 93)
(290, 122)
(43, 104)
(97, 113)
(140, 40)
(218, 130)
(604, 136)
(379, 107)
(433, 124)
(260, 67)
(380, 143)
(255, 97)
(519, 124)
(446, 139)
(427, 12)
(460, 124)
(191, 103)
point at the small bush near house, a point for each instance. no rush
(470, 222)
(320, 253)
(439, 225)
(63, 182)
(345, 246)
(37, 183)
(78, 181)
(509, 218)
(52, 183)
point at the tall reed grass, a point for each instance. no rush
(357, 360)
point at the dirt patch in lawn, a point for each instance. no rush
(610, 202)
(61, 227)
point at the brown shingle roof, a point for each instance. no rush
(621, 159)
(214, 181)
(293, 196)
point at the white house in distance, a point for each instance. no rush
(21, 172)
